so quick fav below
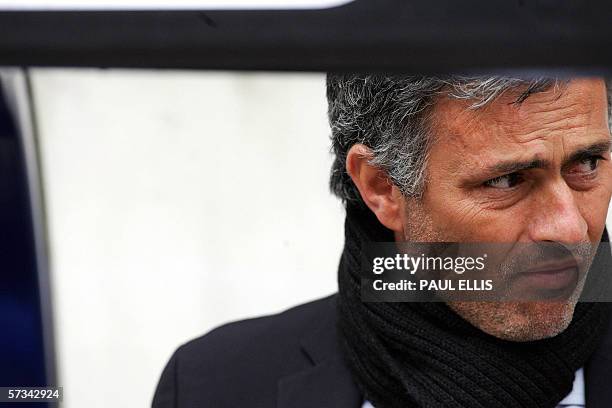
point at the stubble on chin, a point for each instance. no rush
(517, 321)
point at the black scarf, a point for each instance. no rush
(424, 355)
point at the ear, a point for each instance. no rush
(376, 189)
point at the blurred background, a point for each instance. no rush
(163, 204)
(174, 201)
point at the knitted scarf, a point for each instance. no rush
(424, 355)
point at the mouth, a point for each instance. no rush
(550, 280)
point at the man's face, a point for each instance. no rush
(538, 171)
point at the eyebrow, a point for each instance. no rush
(592, 150)
(506, 167)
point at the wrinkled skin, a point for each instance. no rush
(507, 172)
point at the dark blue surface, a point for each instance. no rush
(22, 361)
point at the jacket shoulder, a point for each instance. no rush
(240, 363)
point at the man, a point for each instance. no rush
(424, 159)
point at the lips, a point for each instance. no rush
(551, 276)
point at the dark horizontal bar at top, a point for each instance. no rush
(422, 36)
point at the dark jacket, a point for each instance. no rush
(293, 360)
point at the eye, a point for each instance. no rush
(587, 165)
(505, 181)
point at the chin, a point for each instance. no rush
(517, 321)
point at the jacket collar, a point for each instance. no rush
(598, 372)
(327, 383)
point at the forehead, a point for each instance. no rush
(571, 113)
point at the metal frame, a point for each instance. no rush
(426, 36)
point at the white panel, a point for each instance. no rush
(177, 202)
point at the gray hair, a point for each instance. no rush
(390, 114)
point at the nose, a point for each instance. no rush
(556, 216)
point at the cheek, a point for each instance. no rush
(594, 209)
(464, 220)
